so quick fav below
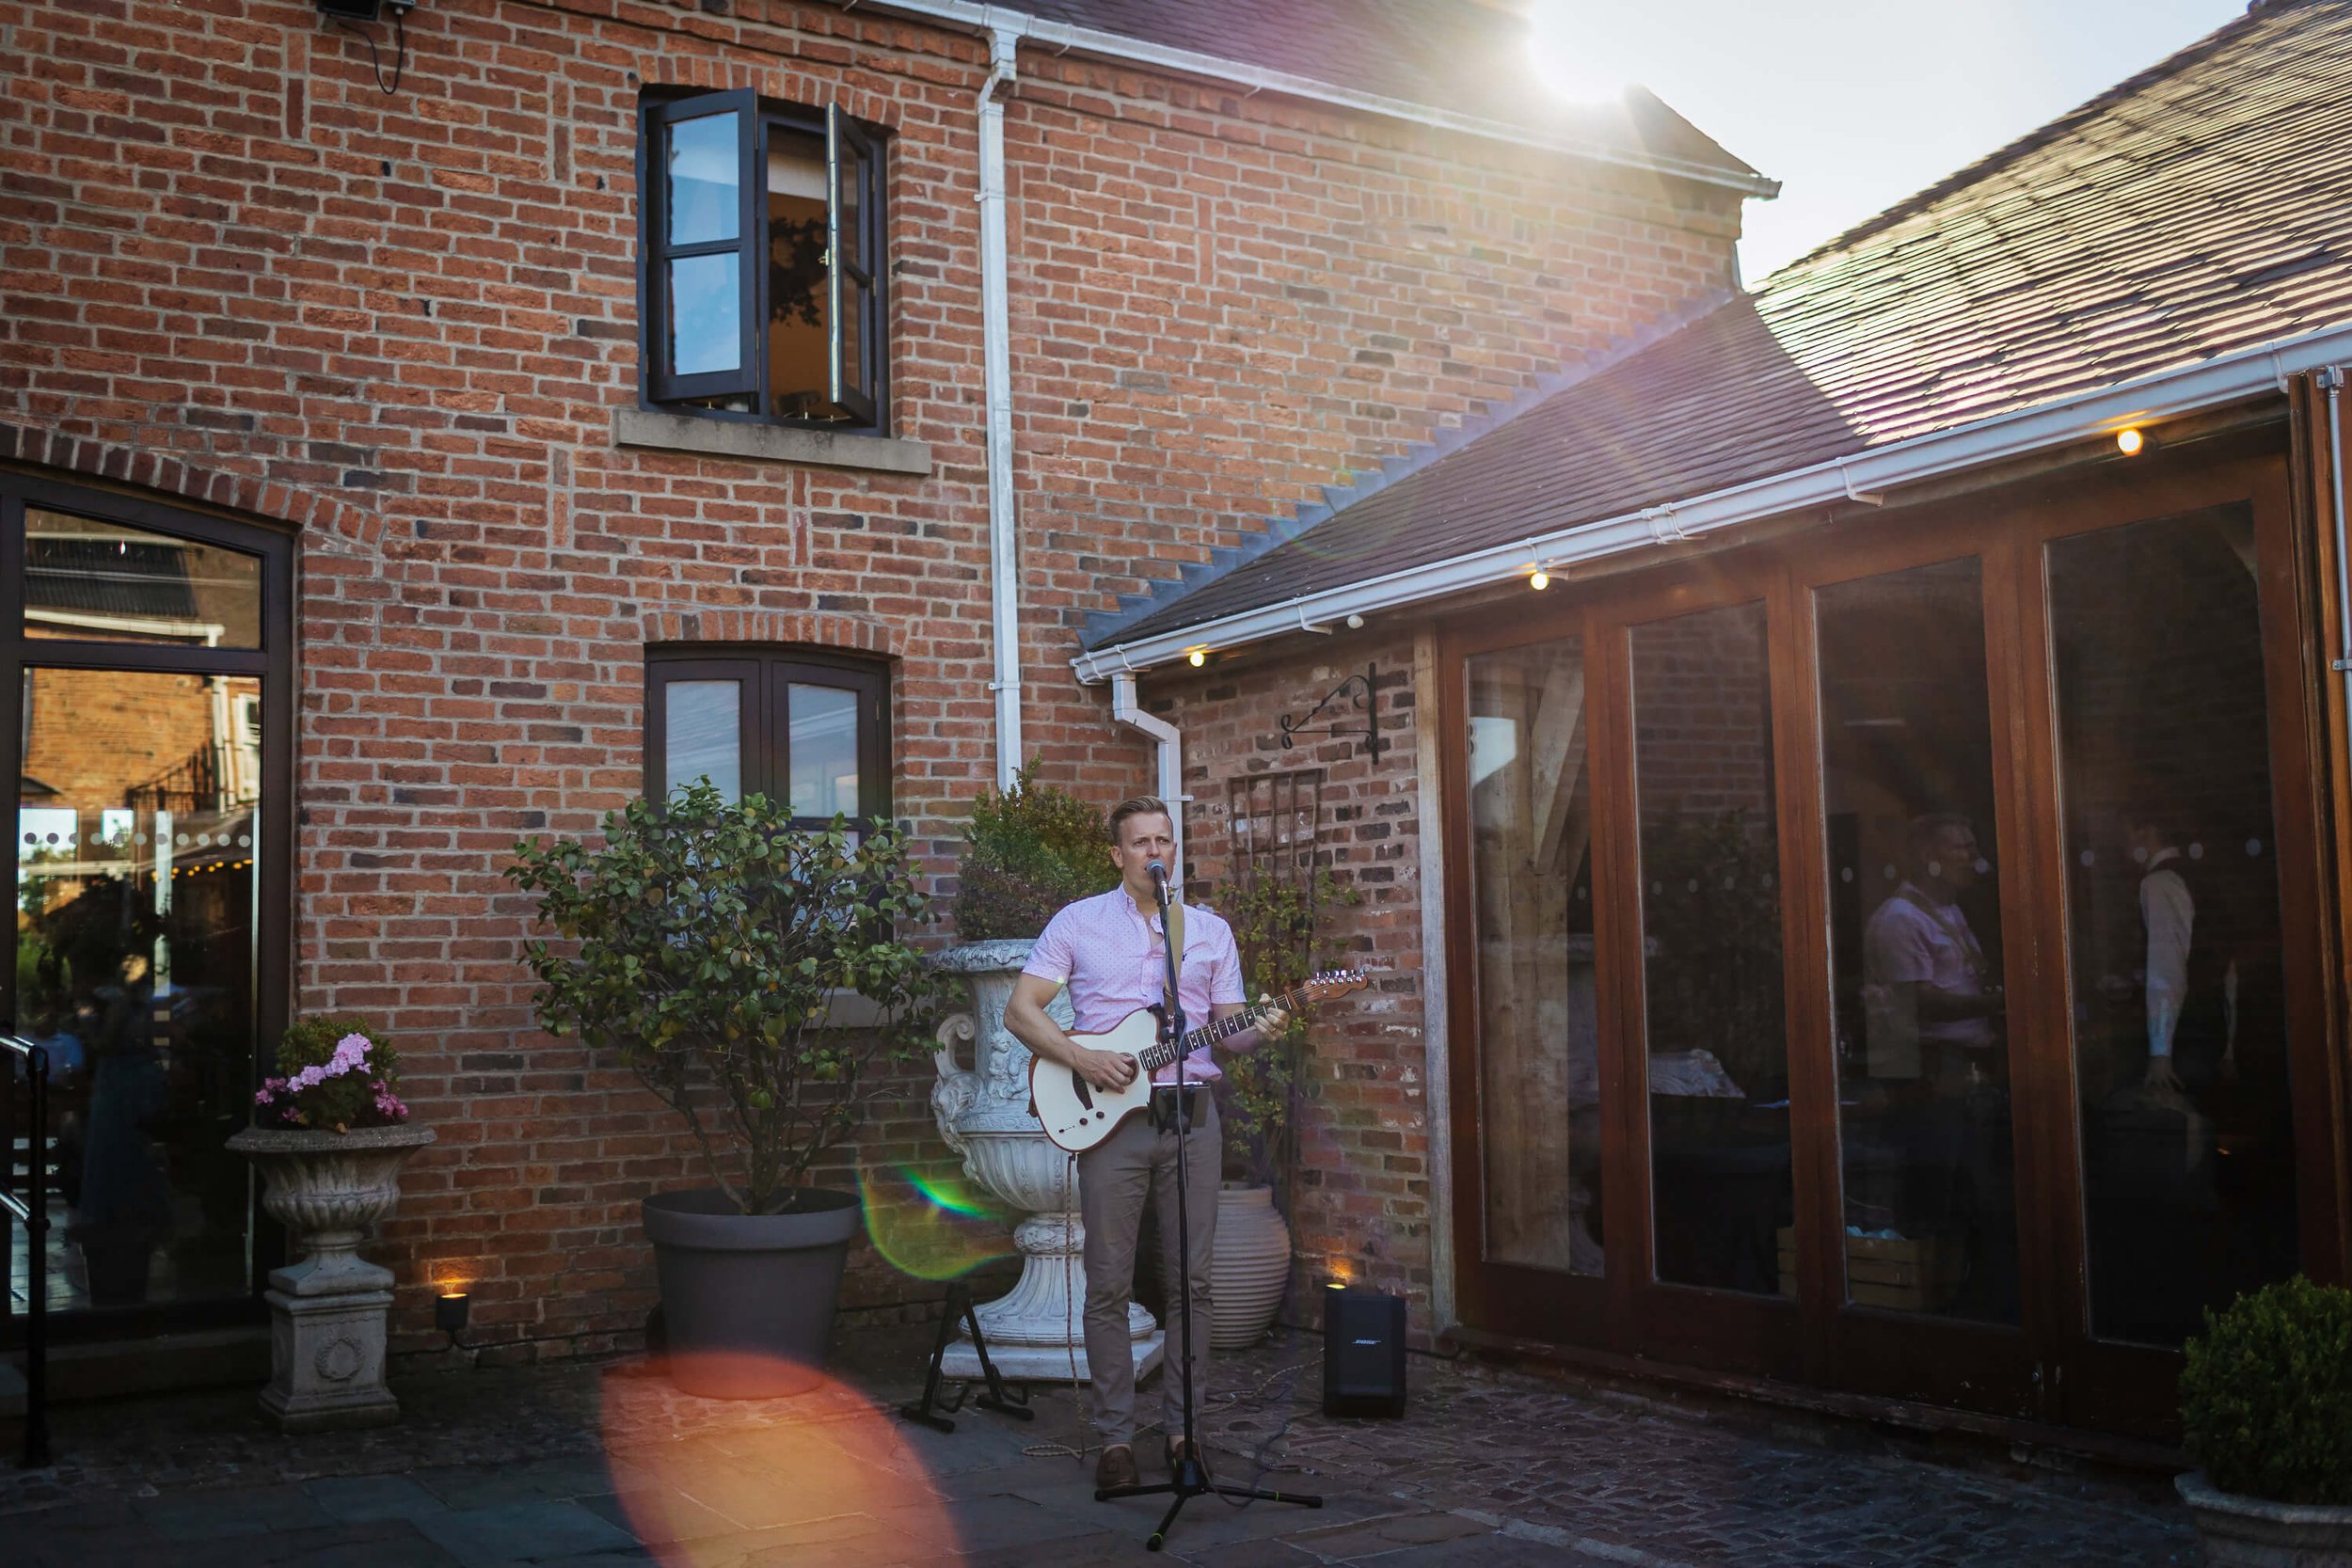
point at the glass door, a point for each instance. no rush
(2190, 1046)
(1926, 1281)
(140, 690)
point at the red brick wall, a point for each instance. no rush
(237, 268)
(1360, 1199)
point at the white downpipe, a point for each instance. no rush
(2209, 384)
(1004, 545)
(1128, 710)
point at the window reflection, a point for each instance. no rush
(1717, 1056)
(136, 851)
(103, 582)
(703, 735)
(2180, 1029)
(1924, 1107)
(822, 751)
(1531, 829)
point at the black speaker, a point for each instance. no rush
(1363, 1352)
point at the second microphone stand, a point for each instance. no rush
(1191, 1478)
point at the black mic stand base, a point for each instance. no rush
(1192, 1480)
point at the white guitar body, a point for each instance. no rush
(1077, 1115)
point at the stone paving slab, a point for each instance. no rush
(610, 1467)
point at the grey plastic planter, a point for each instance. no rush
(2247, 1532)
(747, 1300)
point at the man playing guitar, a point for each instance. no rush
(1109, 950)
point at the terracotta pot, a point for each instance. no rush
(1250, 1267)
(2248, 1532)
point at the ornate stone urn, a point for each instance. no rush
(327, 1309)
(1037, 1329)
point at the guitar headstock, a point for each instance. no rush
(1332, 984)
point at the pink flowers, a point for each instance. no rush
(342, 1091)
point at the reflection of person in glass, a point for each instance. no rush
(125, 1204)
(1934, 1005)
(2192, 982)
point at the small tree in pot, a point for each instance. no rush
(2266, 1410)
(706, 942)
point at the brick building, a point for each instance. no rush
(529, 483)
(1754, 723)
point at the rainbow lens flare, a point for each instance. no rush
(931, 1225)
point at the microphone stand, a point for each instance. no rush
(1191, 1478)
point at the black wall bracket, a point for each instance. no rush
(1360, 692)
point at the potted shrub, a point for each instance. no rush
(2266, 1413)
(1274, 921)
(704, 943)
(330, 1134)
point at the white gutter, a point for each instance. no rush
(1127, 710)
(1066, 39)
(1003, 545)
(1864, 476)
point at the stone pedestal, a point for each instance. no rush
(1036, 1330)
(327, 1310)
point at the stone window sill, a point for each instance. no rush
(769, 443)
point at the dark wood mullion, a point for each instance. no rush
(2034, 956)
(11, 727)
(1818, 1176)
(1618, 991)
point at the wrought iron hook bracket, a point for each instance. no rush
(1363, 692)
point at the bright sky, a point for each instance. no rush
(1854, 104)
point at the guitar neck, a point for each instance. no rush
(1224, 1028)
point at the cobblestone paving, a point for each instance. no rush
(610, 1465)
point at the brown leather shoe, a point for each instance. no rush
(1116, 1467)
(1176, 1457)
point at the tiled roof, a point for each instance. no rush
(2201, 208)
(1469, 56)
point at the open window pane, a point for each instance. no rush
(822, 751)
(2187, 1107)
(799, 300)
(1924, 1119)
(107, 581)
(705, 315)
(1722, 1202)
(703, 735)
(1538, 1039)
(705, 181)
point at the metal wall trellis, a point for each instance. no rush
(1274, 822)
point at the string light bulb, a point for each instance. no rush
(1539, 580)
(1197, 657)
(2129, 442)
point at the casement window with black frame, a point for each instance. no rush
(807, 729)
(759, 261)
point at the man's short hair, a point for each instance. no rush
(1926, 830)
(1139, 805)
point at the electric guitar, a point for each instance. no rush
(1077, 1115)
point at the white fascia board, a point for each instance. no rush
(1065, 37)
(2209, 384)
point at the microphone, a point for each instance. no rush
(1159, 873)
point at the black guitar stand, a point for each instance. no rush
(1191, 1478)
(932, 1409)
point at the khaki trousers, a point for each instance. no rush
(1113, 1177)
